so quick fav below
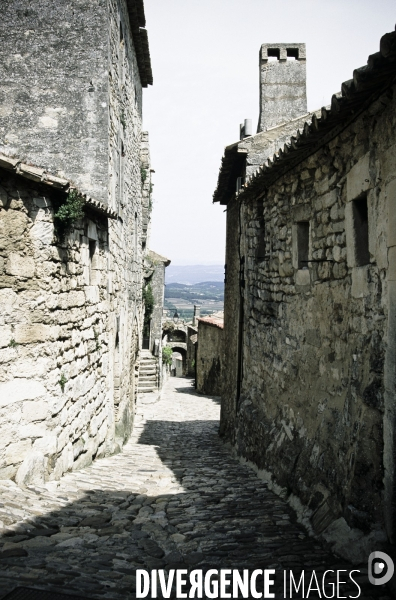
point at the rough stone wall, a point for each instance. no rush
(100, 298)
(232, 321)
(147, 187)
(54, 102)
(126, 236)
(157, 282)
(191, 350)
(55, 386)
(315, 397)
(210, 358)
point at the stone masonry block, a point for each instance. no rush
(46, 445)
(16, 453)
(5, 336)
(30, 334)
(303, 277)
(360, 287)
(43, 232)
(20, 389)
(358, 179)
(388, 163)
(92, 294)
(34, 411)
(330, 198)
(21, 266)
(32, 470)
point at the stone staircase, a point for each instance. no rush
(148, 373)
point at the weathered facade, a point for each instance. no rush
(154, 276)
(210, 354)
(71, 297)
(309, 377)
(174, 335)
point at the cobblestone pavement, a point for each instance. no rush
(175, 498)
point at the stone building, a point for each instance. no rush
(151, 373)
(210, 354)
(310, 297)
(174, 335)
(74, 218)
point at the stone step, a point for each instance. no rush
(147, 371)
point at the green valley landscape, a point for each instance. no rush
(181, 297)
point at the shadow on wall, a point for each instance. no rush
(225, 518)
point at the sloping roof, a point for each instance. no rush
(368, 83)
(158, 258)
(216, 320)
(41, 176)
(357, 94)
(231, 165)
(137, 20)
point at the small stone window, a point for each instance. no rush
(302, 244)
(360, 229)
(92, 260)
(92, 249)
(292, 53)
(273, 53)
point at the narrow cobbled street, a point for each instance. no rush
(175, 498)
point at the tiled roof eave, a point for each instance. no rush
(368, 85)
(39, 175)
(137, 21)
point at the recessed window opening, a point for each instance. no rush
(361, 233)
(303, 244)
(273, 54)
(92, 249)
(292, 53)
(117, 337)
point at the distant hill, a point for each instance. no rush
(208, 295)
(192, 274)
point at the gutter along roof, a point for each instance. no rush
(368, 84)
(137, 20)
(41, 176)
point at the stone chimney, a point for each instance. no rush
(197, 312)
(283, 94)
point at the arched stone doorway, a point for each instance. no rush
(182, 352)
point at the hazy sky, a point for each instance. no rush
(205, 64)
